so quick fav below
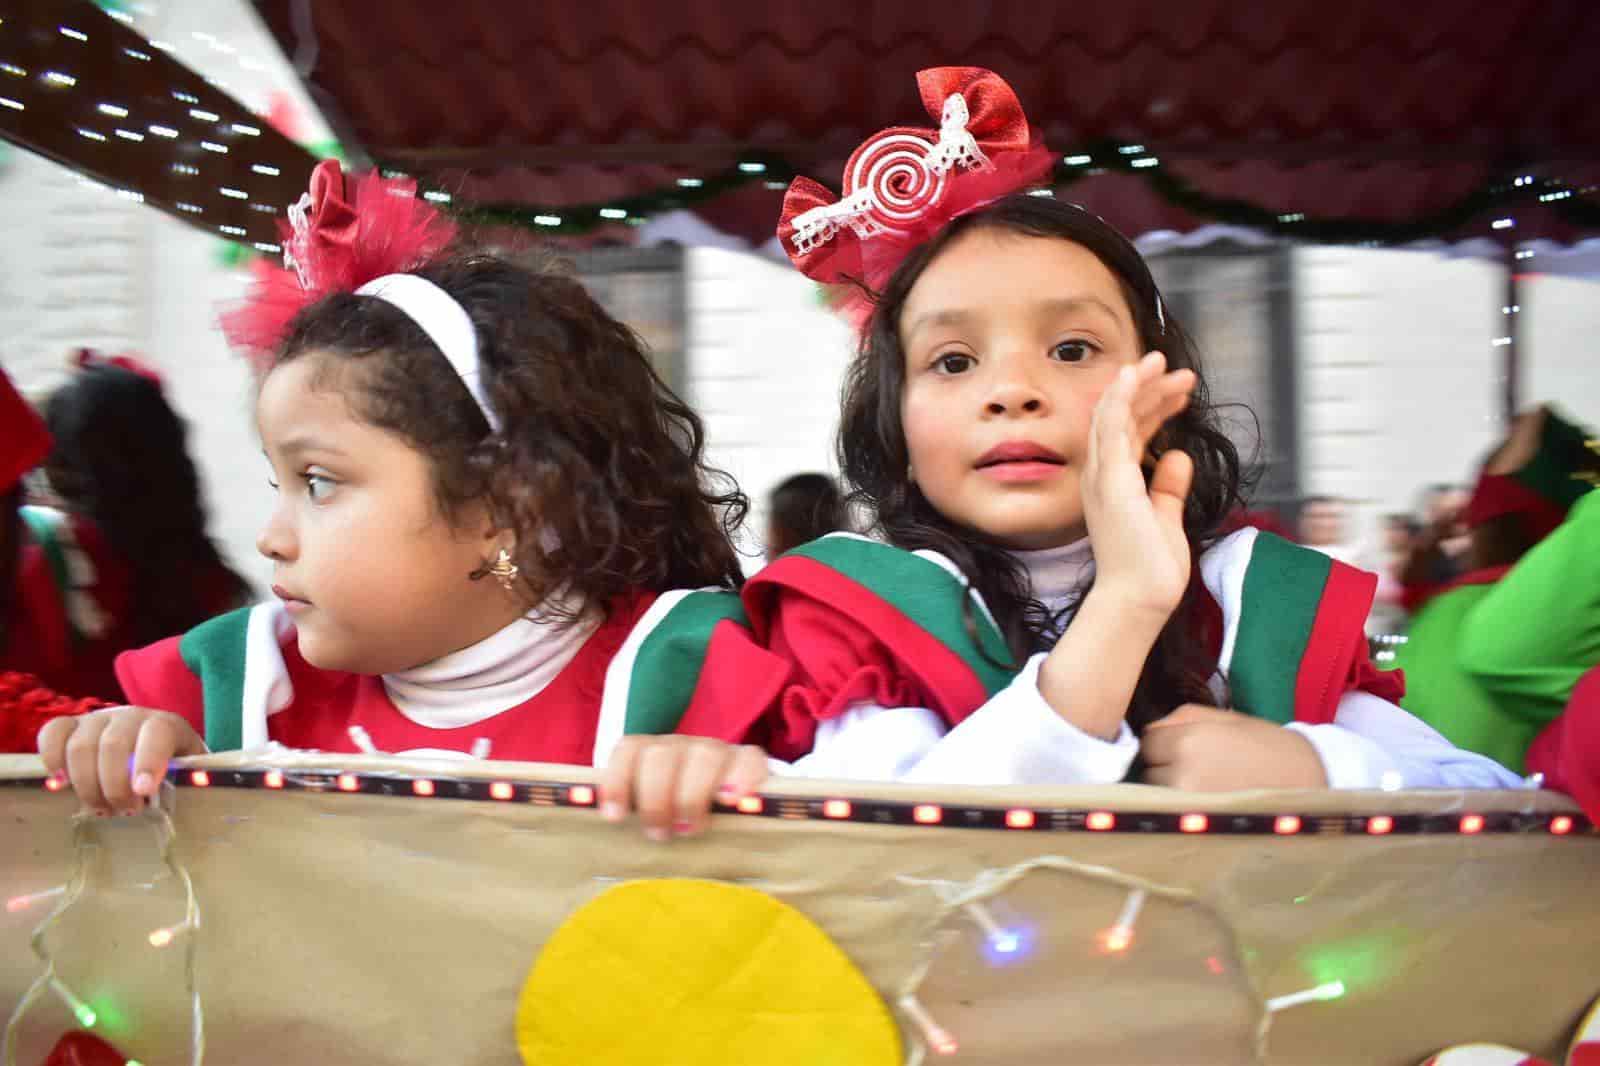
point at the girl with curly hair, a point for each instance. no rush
(494, 531)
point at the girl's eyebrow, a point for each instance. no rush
(306, 442)
(1062, 305)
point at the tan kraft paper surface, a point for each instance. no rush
(368, 929)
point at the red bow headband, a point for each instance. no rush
(84, 358)
(341, 235)
(905, 184)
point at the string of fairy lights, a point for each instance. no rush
(893, 812)
(1002, 944)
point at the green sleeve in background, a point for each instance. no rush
(1538, 629)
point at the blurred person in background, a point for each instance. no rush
(801, 509)
(122, 558)
(1439, 548)
(1494, 655)
(1400, 532)
(1324, 525)
(28, 602)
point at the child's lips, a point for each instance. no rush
(1017, 470)
(291, 602)
(1020, 461)
(1020, 451)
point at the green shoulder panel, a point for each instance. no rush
(667, 666)
(214, 651)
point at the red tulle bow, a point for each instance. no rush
(341, 234)
(88, 357)
(905, 184)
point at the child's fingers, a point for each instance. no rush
(115, 761)
(616, 780)
(701, 774)
(1149, 423)
(1170, 484)
(1148, 393)
(162, 737)
(1112, 416)
(1165, 776)
(83, 761)
(1150, 367)
(748, 771)
(1159, 747)
(53, 742)
(655, 785)
(1159, 400)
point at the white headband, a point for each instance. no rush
(444, 321)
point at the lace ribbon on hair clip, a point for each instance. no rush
(905, 184)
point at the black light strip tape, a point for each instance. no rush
(886, 812)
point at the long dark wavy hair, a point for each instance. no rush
(121, 458)
(599, 468)
(874, 458)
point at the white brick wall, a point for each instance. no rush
(765, 362)
(1560, 342)
(69, 275)
(1399, 382)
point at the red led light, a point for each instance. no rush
(272, 779)
(1019, 819)
(927, 814)
(1471, 823)
(836, 809)
(422, 786)
(1193, 823)
(1286, 824)
(199, 779)
(580, 796)
(1100, 821)
(349, 783)
(55, 782)
(501, 790)
(1561, 825)
(1379, 824)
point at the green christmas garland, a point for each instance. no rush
(1501, 195)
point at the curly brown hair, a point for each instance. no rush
(599, 468)
(873, 453)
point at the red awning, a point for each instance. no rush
(1367, 108)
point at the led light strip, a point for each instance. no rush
(888, 812)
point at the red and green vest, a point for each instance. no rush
(859, 621)
(678, 662)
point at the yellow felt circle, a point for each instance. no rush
(698, 972)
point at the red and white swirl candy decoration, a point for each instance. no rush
(904, 183)
(894, 167)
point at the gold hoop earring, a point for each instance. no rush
(505, 571)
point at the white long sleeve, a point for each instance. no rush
(1015, 738)
(1373, 743)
